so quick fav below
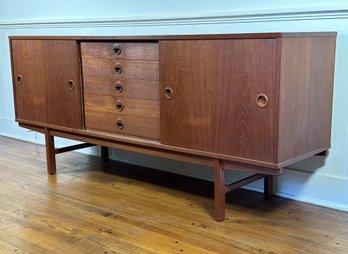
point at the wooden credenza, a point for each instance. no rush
(246, 102)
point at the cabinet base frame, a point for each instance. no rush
(220, 188)
(51, 151)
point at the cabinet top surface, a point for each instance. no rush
(180, 37)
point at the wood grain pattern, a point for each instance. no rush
(219, 191)
(30, 93)
(131, 88)
(95, 207)
(133, 125)
(44, 95)
(131, 69)
(132, 107)
(128, 50)
(215, 84)
(306, 84)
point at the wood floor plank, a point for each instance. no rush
(245, 225)
(18, 244)
(167, 217)
(100, 224)
(95, 207)
(6, 248)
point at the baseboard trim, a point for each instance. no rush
(314, 201)
(21, 137)
(304, 199)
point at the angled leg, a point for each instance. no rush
(219, 192)
(104, 152)
(268, 186)
(50, 153)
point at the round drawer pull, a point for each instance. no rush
(119, 106)
(119, 124)
(168, 93)
(119, 87)
(262, 100)
(19, 79)
(118, 68)
(71, 84)
(117, 49)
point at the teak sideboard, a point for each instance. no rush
(246, 102)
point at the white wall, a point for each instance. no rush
(36, 10)
(317, 180)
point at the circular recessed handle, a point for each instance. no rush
(168, 93)
(119, 87)
(118, 68)
(119, 106)
(19, 79)
(262, 100)
(117, 49)
(119, 124)
(71, 84)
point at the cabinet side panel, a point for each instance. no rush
(306, 84)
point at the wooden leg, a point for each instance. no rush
(268, 186)
(50, 153)
(219, 192)
(104, 152)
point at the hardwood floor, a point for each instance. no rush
(96, 207)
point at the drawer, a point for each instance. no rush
(130, 88)
(122, 106)
(120, 50)
(123, 69)
(130, 125)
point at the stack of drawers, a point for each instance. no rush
(121, 87)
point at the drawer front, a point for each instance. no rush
(126, 69)
(122, 106)
(129, 88)
(120, 50)
(124, 124)
(121, 87)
